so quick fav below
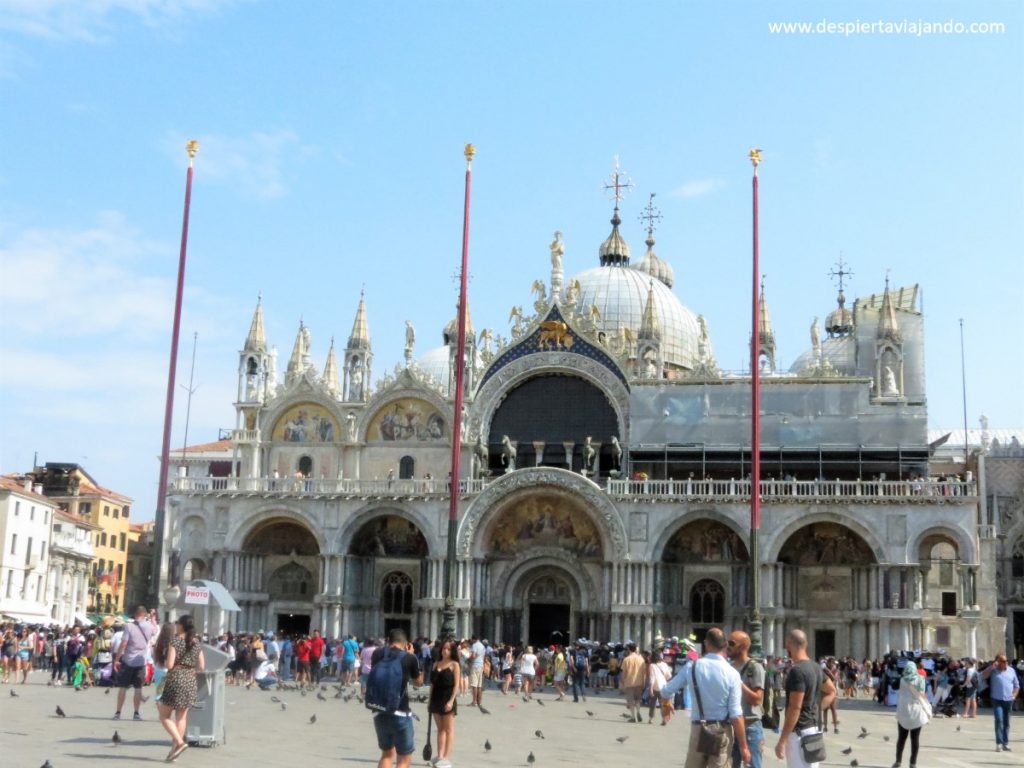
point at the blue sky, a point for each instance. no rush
(331, 158)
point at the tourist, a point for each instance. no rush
(444, 686)
(182, 658)
(316, 653)
(257, 655)
(476, 670)
(807, 690)
(507, 668)
(658, 674)
(528, 669)
(394, 728)
(366, 661)
(266, 675)
(831, 671)
(302, 660)
(287, 655)
(752, 679)
(161, 644)
(559, 668)
(970, 688)
(912, 712)
(1003, 688)
(130, 659)
(580, 671)
(717, 699)
(350, 650)
(632, 678)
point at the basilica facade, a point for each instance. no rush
(605, 490)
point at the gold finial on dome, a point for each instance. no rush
(192, 147)
(469, 152)
(755, 158)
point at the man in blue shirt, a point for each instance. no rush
(350, 649)
(720, 691)
(1003, 689)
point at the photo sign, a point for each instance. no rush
(197, 596)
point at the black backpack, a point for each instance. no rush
(580, 659)
(385, 684)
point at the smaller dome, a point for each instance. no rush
(655, 266)
(436, 363)
(839, 351)
(839, 321)
(614, 250)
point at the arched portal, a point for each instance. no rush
(389, 536)
(281, 559)
(396, 602)
(546, 599)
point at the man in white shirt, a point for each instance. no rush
(266, 675)
(476, 671)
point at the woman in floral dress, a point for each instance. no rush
(182, 658)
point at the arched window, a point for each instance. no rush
(193, 570)
(306, 466)
(406, 468)
(251, 367)
(396, 594)
(707, 602)
(290, 582)
(1017, 560)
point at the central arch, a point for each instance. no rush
(570, 490)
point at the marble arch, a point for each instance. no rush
(657, 548)
(372, 511)
(270, 514)
(406, 386)
(529, 566)
(964, 545)
(524, 482)
(774, 543)
(493, 392)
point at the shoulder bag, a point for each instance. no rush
(812, 745)
(712, 738)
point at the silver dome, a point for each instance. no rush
(840, 351)
(436, 364)
(620, 294)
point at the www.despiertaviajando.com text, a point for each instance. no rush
(904, 27)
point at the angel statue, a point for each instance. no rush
(572, 294)
(516, 318)
(538, 290)
(557, 252)
(410, 338)
(816, 337)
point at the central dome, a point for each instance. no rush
(620, 295)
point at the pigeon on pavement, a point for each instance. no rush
(116, 738)
(60, 712)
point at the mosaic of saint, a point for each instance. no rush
(704, 541)
(545, 523)
(826, 544)
(407, 420)
(306, 423)
(390, 536)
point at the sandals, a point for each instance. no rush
(176, 752)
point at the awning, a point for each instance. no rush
(217, 596)
(28, 618)
(81, 618)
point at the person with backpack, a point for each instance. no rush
(752, 677)
(580, 671)
(392, 668)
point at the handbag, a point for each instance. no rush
(813, 747)
(712, 738)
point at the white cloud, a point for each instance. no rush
(252, 165)
(91, 20)
(698, 188)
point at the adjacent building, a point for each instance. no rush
(139, 566)
(26, 516)
(72, 488)
(605, 488)
(70, 569)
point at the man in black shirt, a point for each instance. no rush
(807, 689)
(394, 729)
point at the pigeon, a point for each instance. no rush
(854, 763)
(958, 729)
(863, 735)
(847, 751)
(107, 692)
(589, 713)
(524, 697)
(275, 699)
(312, 720)
(13, 694)
(60, 712)
(539, 734)
(487, 745)
(302, 693)
(622, 739)
(483, 711)
(623, 714)
(47, 764)
(323, 688)
(320, 696)
(531, 759)
(337, 695)
(864, 730)
(885, 738)
(540, 702)
(117, 738)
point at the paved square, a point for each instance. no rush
(260, 733)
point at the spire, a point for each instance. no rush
(360, 338)
(331, 371)
(840, 320)
(765, 331)
(650, 328)
(651, 264)
(256, 341)
(299, 360)
(888, 328)
(615, 250)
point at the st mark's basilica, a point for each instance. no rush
(621, 517)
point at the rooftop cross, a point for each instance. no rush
(621, 183)
(842, 273)
(651, 215)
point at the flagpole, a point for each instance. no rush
(754, 622)
(165, 453)
(448, 628)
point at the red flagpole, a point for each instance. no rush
(165, 453)
(448, 628)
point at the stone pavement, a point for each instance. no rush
(260, 734)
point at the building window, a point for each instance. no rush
(124, 542)
(85, 508)
(46, 517)
(32, 512)
(396, 594)
(306, 466)
(949, 603)
(116, 512)
(124, 512)
(707, 602)
(1017, 560)
(14, 543)
(103, 539)
(28, 551)
(406, 468)
(120, 572)
(106, 511)
(42, 551)
(17, 508)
